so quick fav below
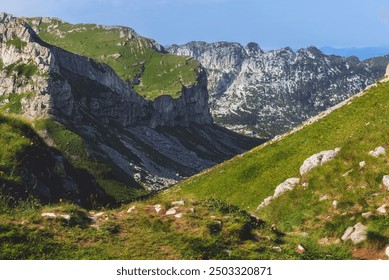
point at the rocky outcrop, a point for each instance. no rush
(268, 93)
(356, 234)
(377, 152)
(318, 159)
(68, 83)
(288, 185)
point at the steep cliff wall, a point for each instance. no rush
(146, 143)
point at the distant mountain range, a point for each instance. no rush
(267, 93)
(361, 53)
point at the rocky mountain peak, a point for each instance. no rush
(268, 93)
(253, 49)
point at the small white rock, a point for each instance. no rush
(66, 217)
(362, 164)
(324, 197)
(367, 215)
(158, 208)
(132, 208)
(379, 151)
(385, 181)
(179, 215)
(179, 202)
(387, 251)
(335, 204)
(171, 211)
(300, 249)
(99, 214)
(382, 209)
(49, 215)
(277, 249)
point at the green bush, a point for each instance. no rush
(17, 42)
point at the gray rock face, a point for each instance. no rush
(356, 234)
(268, 93)
(318, 159)
(288, 185)
(157, 142)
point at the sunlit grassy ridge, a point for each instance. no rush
(356, 128)
(249, 178)
(208, 229)
(134, 59)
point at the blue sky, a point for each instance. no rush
(271, 23)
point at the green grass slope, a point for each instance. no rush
(307, 213)
(134, 59)
(214, 222)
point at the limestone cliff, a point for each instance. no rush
(268, 93)
(151, 144)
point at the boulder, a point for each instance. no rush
(356, 234)
(171, 211)
(379, 151)
(178, 203)
(288, 185)
(318, 159)
(385, 181)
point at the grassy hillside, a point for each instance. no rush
(249, 178)
(309, 211)
(209, 227)
(134, 58)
